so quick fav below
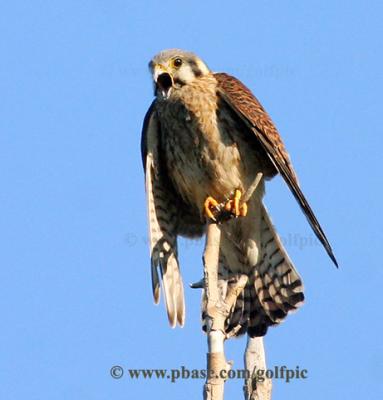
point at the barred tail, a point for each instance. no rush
(274, 288)
(278, 285)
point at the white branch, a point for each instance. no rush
(256, 388)
(218, 309)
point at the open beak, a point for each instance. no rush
(163, 80)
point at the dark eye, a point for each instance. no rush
(177, 62)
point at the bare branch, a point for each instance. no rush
(218, 309)
(255, 388)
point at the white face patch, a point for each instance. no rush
(191, 69)
(202, 66)
(185, 74)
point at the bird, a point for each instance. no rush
(205, 138)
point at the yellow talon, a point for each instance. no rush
(228, 205)
(234, 206)
(243, 210)
(237, 197)
(210, 202)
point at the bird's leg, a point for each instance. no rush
(235, 207)
(211, 206)
(220, 212)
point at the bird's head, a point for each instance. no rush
(173, 69)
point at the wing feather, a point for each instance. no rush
(162, 217)
(240, 99)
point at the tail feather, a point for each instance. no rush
(274, 288)
(278, 286)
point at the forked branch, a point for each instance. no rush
(218, 310)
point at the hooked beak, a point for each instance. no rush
(163, 80)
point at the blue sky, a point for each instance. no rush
(75, 294)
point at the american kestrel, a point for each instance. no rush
(205, 138)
